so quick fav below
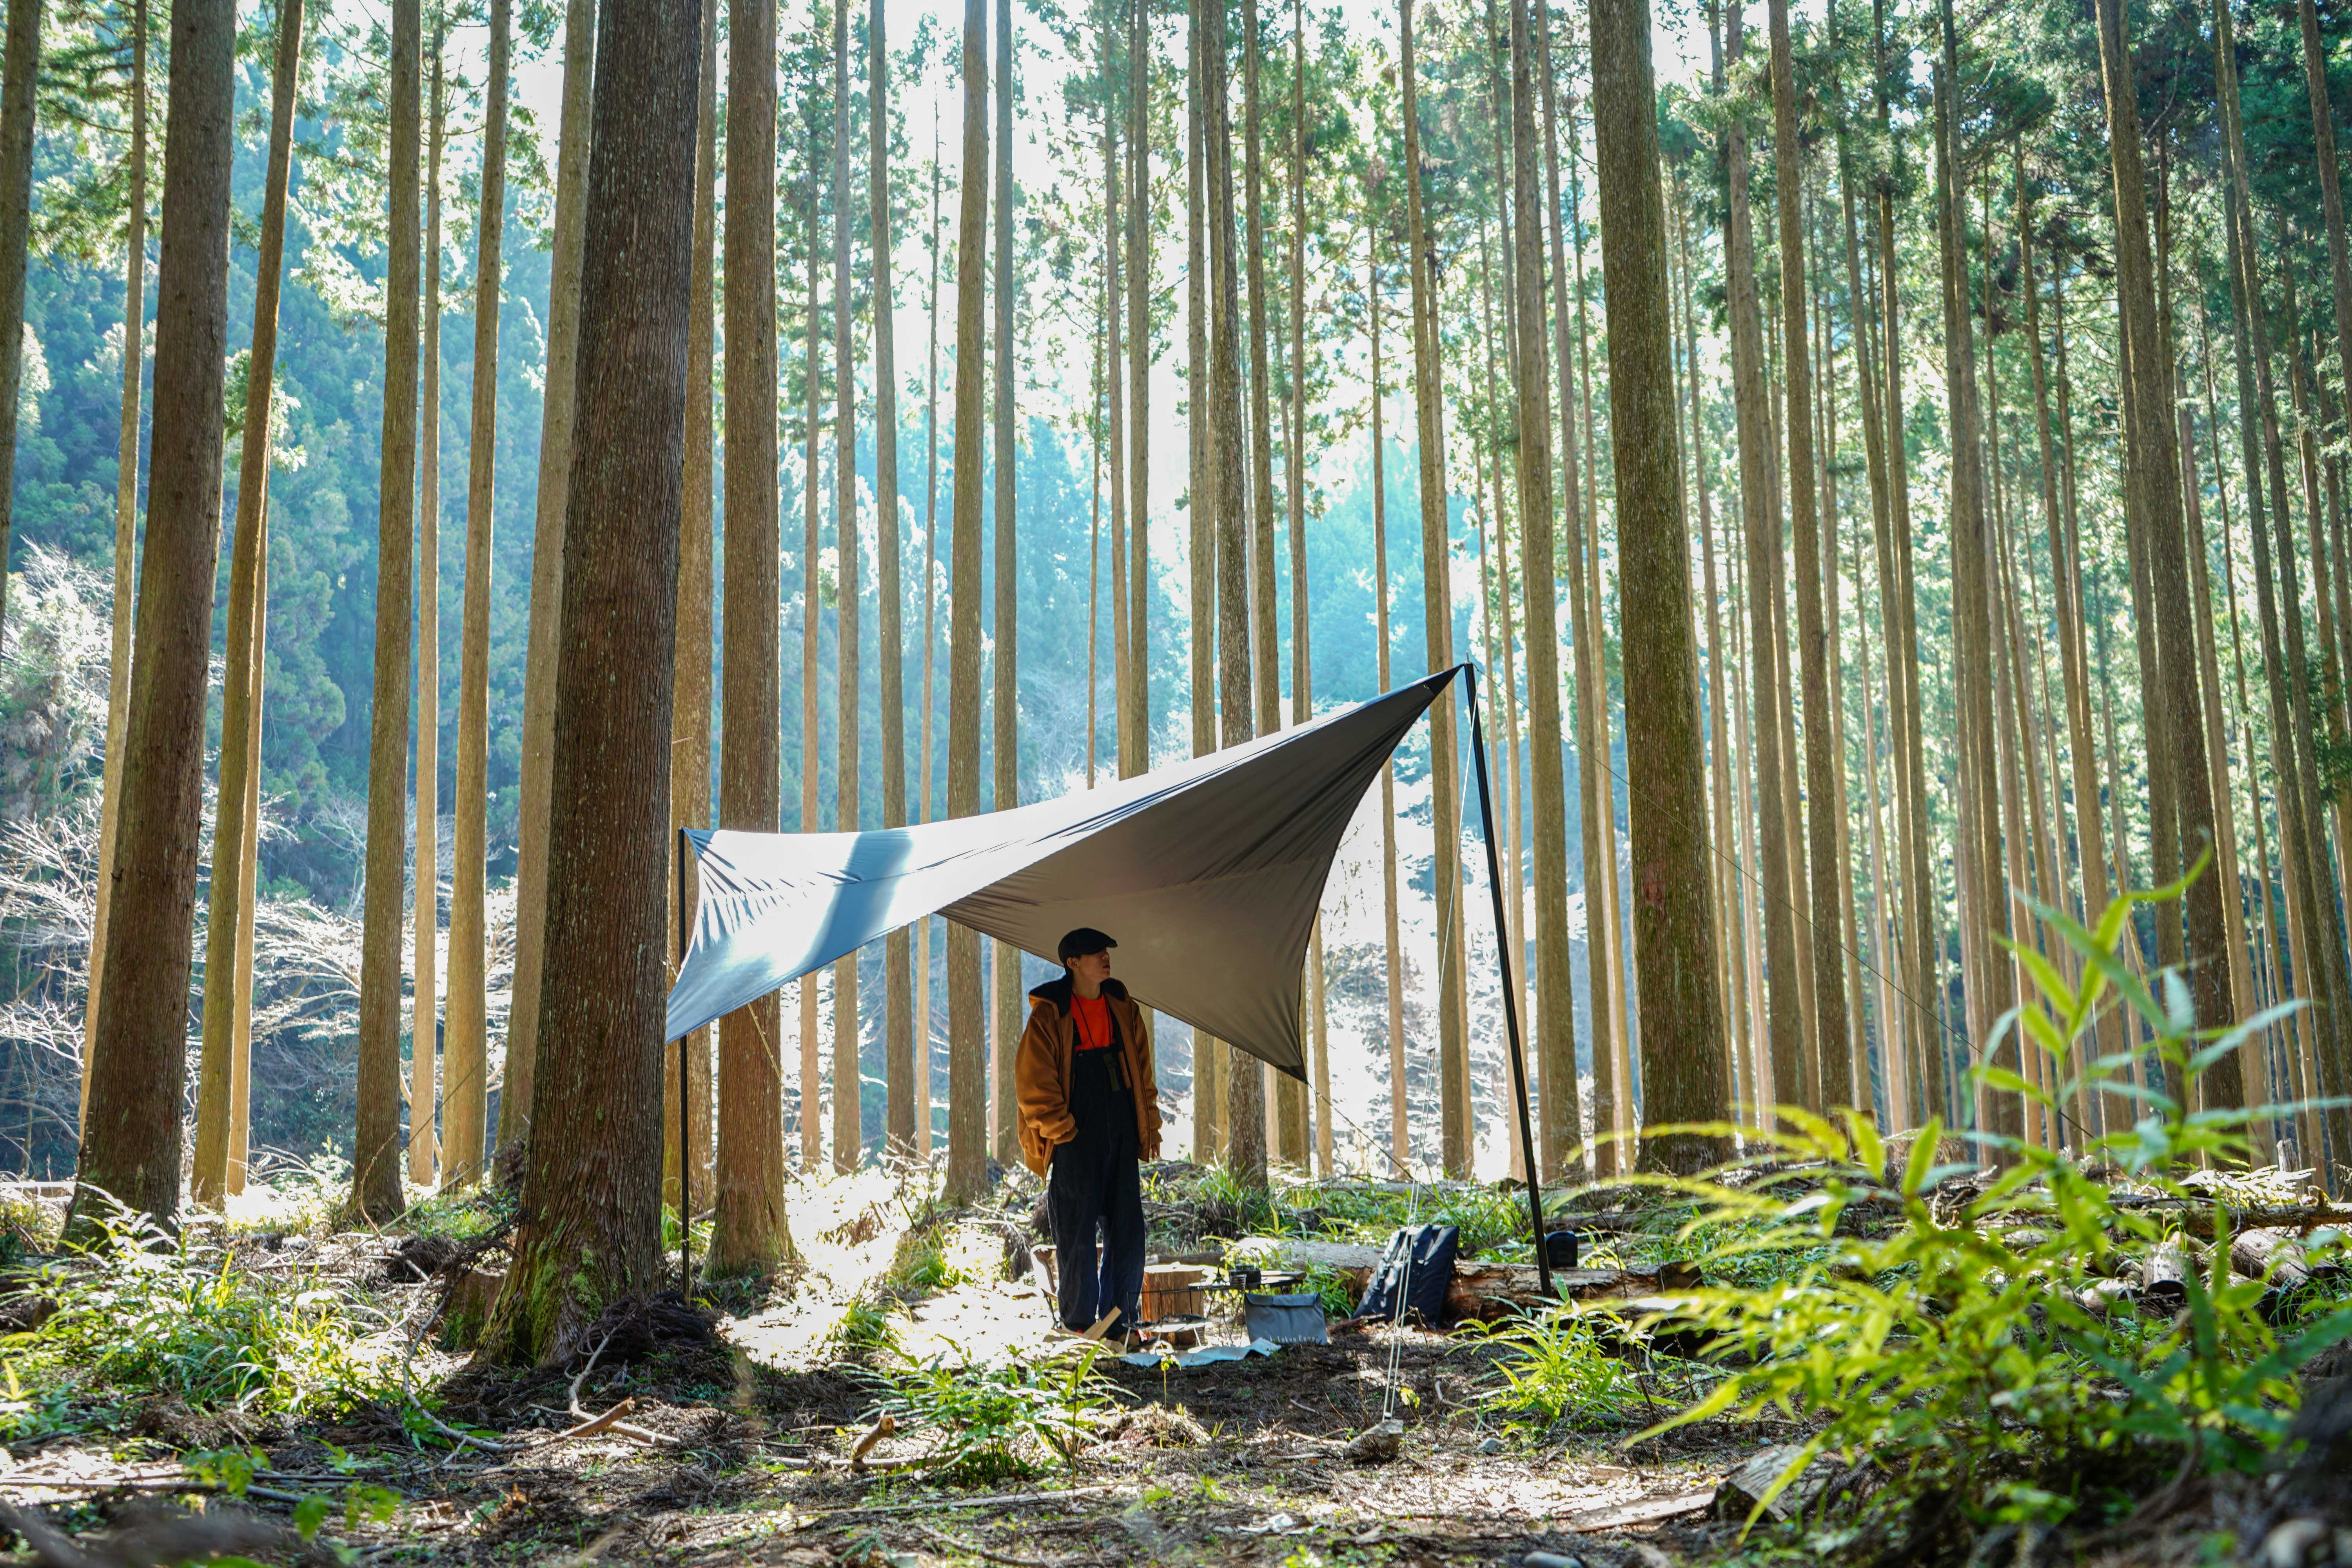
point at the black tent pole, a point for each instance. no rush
(685, 1111)
(1510, 993)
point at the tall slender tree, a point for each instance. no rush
(847, 1101)
(557, 401)
(968, 1076)
(131, 1133)
(748, 1233)
(375, 1167)
(465, 1051)
(1005, 663)
(217, 1081)
(20, 64)
(424, 1090)
(898, 958)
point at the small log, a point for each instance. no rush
(2163, 1276)
(1739, 1493)
(2104, 1298)
(2271, 1254)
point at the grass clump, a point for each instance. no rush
(996, 1424)
(142, 1314)
(1558, 1370)
(1968, 1357)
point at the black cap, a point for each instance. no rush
(1082, 941)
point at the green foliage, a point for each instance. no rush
(1493, 1221)
(1962, 1355)
(144, 1314)
(996, 1424)
(1556, 1371)
(474, 1212)
(863, 1331)
(234, 1471)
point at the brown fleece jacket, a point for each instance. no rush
(1041, 1072)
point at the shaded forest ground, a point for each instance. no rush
(283, 1376)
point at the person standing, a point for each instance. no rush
(1090, 1114)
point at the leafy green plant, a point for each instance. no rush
(997, 1423)
(863, 1332)
(145, 1313)
(235, 1470)
(1557, 1369)
(1967, 1356)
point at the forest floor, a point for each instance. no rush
(899, 1396)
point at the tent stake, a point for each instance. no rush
(1510, 995)
(684, 1113)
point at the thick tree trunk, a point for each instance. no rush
(2153, 445)
(130, 1135)
(375, 1159)
(555, 422)
(748, 1233)
(1682, 1051)
(689, 762)
(968, 1076)
(899, 952)
(217, 1084)
(465, 1051)
(126, 528)
(592, 1192)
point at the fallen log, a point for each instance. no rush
(2271, 1254)
(2163, 1277)
(1489, 1293)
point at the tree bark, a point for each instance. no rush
(689, 762)
(1138, 371)
(968, 1076)
(848, 1118)
(466, 1050)
(1555, 1012)
(1761, 541)
(424, 1150)
(747, 1231)
(240, 1101)
(555, 423)
(1005, 664)
(1826, 876)
(2151, 399)
(375, 1160)
(899, 952)
(1243, 1125)
(1437, 613)
(126, 527)
(1682, 1046)
(130, 1135)
(217, 1084)
(1209, 1056)
(1400, 1136)
(20, 64)
(592, 1192)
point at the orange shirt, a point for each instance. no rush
(1092, 1016)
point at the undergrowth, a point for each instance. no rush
(144, 1314)
(990, 1423)
(1968, 1360)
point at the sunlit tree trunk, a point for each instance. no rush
(1437, 610)
(592, 1189)
(556, 406)
(849, 1102)
(898, 953)
(375, 1167)
(1210, 1060)
(748, 1230)
(968, 1078)
(1682, 1052)
(126, 528)
(812, 1062)
(1555, 1020)
(20, 63)
(1762, 541)
(466, 1049)
(424, 1152)
(1400, 1136)
(923, 1030)
(131, 1133)
(217, 1085)
(240, 1101)
(1113, 328)
(1004, 662)
(1138, 371)
(689, 762)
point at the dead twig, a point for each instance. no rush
(611, 1420)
